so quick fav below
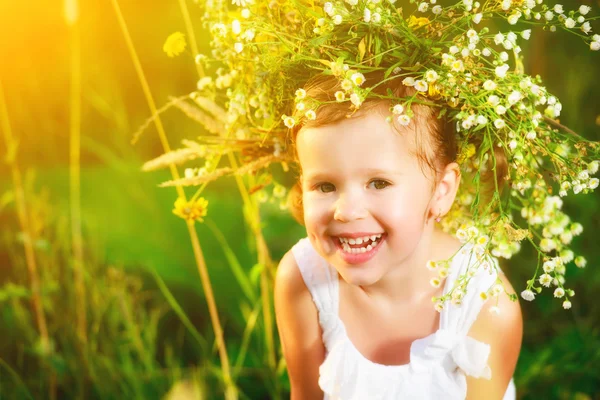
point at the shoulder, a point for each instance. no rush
(499, 324)
(299, 329)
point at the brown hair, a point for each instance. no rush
(435, 149)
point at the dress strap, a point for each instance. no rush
(321, 279)
(480, 278)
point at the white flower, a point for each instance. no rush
(527, 295)
(340, 96)
(580, 261)
(355, 99)
(500, 109)
(586, 27)
(515, 97)
(404, 120)
(512, 144)
(577, 188)
(477, 18)
(408, 81)
(501, 70)
(337, 19)
(558, 9)
(531, 135)
(514, 18)
(310, 115)
(481, 120)
(549, 15)
(486, 52)
(583, 175)
(549, 266)
(289, 121)
(453, 49)
(204, 82)
(545, 280)
(570, 23)
(559, 292)
(566, 304)
(352, 2)
(506, 4)
(499, 123)
(504, 56)
(547, 245)
(367, 15)
(358, 78)
(423, 7)
(593, 183)
(432, 265)
(398, 109)
(499, 38)
(435, 282)
(328, 8)
(583, 10)
(461, 235)
(300, 94)
(347, 84)
(437, 10)
(376, 17)
(431, 76)
(245, 13)
(593, 167)
(493, 100)
(465, 52)
(595, 46)
(300, 106)
(238, 47)
(439, 306)
(421, 85)
(526, 34)
(236, 27)
(576, 228)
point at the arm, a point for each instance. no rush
(299, 330)
(504, 334)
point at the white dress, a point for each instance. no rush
(439, 362)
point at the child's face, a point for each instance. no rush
(344, 194)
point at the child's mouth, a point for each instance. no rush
(359, 250)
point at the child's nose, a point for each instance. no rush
(349, 208)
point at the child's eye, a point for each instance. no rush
(325, 187)
(379, 184)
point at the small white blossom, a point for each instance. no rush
(593, 167)
(570, 23)
(328, 8)
(558, 9)
(493, 100)
(514, 18)
(545, 280)
(481, 120)
(238, 47)
(580, 261)
(355, 99)
(593, 183)
(423, 7)
(595, 46)
(408, 81)
(486, 52)
(559, 292)
(586, 27)
(477, 18)
(340, 96)
(506, 4)
(437, 10)
(398, 109)
(531, 135)
(499, 123)
(358, 79)
(404, 120)
(499, 38)
(583, 9)
(512, 144)
(502, 70)
(310, 115)
(500, 109)
(431, 76)
(337, 19)
(376, 18)
(549, 15)
(421, 85)
(527, 295)
(526, 34)
(367, 15)
(504, 56)
(566, 304)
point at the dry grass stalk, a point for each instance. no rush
(262, 162)
(141, 129)
(177, 157)
(198, 180)
(209, 123)
(212, 107)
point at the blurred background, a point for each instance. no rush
(148, 329)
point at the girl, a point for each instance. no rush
(353, 298)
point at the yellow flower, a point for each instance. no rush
(434, 91)
(175, 44)
(191, 210)
(418, 22)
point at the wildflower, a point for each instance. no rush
(340, 96)
(576, 228)
(545, 280)
(526, 34)
(547, 245)
(502, 70)
(497, 289)
(175, 44)
(367, 15)
(193, 210)
(580, 261)
(423, 7)
(549, 15)
(328, 8)
(355, 99)
(437, 10)
(595, 46)
(583, 10)
(404, 120)
(514, 18)
(300, 94)
(289, 121)
(586, 27)
(458, 66)
(593, 183)
(477, 18)
(236, 27)
(493, 100)
(376, 18)
(499, 38)
(310, 115)
(486, 52)
(435, 282)
(439, 306)
(431, 76)
(421, 85)
(549, 266)
(300, 106)
(408, 81)
(558, 9)
(506, 5)
(570, 23)
(489, 85)
(204, 82)
(500, 109)
(337, 19)
(245, 13)
(238, 47)
(528, 295)
(358, 79)
(432, 265)
(531, 135)
(566, 304)
(398, 109)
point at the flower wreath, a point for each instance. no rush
(265, 51)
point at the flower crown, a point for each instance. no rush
(264, 52)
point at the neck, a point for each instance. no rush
(408, 283)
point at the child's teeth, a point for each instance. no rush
(352, 241)
(359, 241)
(369, 247)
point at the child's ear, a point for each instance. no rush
(445, 191)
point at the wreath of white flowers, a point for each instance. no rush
(265, 51)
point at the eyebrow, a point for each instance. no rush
(365, 171)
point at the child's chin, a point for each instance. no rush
(364, 277)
